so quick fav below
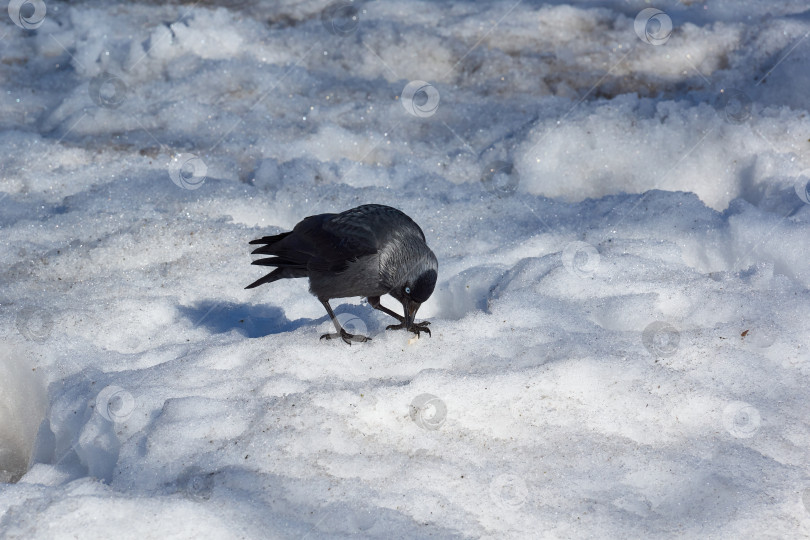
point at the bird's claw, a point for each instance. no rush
(347, 337)
(414, 327)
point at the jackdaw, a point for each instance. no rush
(368, 251)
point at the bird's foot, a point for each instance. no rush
(414, 327)
(347, 337)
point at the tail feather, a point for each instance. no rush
(275, 275)
(264, 250)
(269, 278)
(279, 262)
(269, 249)
(271, 239)
(286, 266)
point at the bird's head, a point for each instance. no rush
(417, 286)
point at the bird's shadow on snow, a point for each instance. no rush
(248, 319)
(255, 321)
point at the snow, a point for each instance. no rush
(619, 332)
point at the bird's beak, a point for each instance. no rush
(411, 308)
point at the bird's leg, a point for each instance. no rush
(341, 333)
(374, 301)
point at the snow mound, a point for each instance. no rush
(23, 402)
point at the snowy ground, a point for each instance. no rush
(621, 217)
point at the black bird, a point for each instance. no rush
(368, 251)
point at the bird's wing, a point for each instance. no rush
(331, 242)
(373, 223)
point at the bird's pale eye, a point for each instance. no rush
(407, 290)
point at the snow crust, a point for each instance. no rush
(619, 345)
